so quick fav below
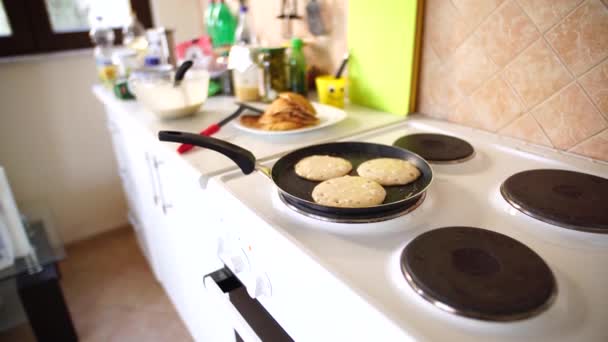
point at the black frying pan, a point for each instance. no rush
(298, 191)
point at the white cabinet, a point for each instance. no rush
(174, 225)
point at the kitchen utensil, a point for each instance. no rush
(214, 128)
(331, 90)
(298, 190)
(314, 19)
(327, 115)
(289, 11)
(157, 93)
(383, 40)
(181, 72)
(342, 65)
(250, 107)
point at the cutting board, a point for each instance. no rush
(383, 42)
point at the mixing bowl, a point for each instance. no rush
(156, 91)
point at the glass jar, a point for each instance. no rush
(272, 66)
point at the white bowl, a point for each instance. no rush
(161, 97)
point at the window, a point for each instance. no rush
(35, 26)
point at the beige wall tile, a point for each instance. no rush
(596, 85)
(471, 66)
(569, 117)
(537, 74)
(546, 13)
(594, 147)
(526, 128)
(507, 32)
(581, 39)
(472, 47)
(496, 104)
(475, 11)
(447, 28)
(443, 88)
(464, 113)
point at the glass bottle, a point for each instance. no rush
(243, 33)
(297, 68)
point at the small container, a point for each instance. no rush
(244, 73)
(161, 42)
(121, 89)
(331, 90)
(125, 60)
(246, 84)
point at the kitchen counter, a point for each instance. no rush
(210, 163)
(171, 209)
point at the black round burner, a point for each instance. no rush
(565, 198)
(478, 273)
(436, 148)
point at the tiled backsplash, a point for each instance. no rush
(536, 70)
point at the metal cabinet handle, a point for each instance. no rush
(163, 203)
(150, 165)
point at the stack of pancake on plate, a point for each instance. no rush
(289, 111)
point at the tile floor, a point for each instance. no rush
(113, 295)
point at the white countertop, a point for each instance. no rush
(209, 163)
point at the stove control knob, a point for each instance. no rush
(239, 262)
(258, 286)
(235, 260)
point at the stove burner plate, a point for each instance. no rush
(478, 273)
(408, 207)
(568, 199)
(437, 148)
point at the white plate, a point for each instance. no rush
(327, 116)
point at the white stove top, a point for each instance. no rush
(365, 257)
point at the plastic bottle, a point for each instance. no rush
(209, 20)
(224, 25)
(297, 68)
(102, 37)
(101, 34)
(243, 33)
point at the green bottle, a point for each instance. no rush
(209, 21)
(297, 68)
(224, 25)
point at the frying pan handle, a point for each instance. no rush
(242, 157)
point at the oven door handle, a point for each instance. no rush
(218, 285)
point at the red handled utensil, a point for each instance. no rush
(212, 129)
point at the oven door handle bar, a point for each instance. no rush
(218, 285)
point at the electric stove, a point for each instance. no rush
(325, 280)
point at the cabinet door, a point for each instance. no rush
(191, 246)
(143, 194)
